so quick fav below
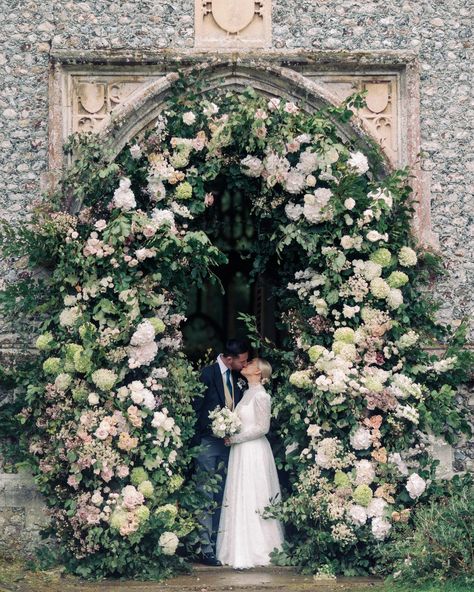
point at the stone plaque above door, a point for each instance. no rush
(233, 24)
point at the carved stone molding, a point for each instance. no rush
(380, 115)
(233, 23)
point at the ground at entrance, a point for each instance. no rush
(14, 578)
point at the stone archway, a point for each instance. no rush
(119, 94)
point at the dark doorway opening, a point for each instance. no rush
(212, 314)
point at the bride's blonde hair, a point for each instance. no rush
(265, 369)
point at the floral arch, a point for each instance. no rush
(107, 402)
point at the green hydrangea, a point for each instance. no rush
(118, 519)
(167, 514)
(142, 513)
(52, 366)
(63, 381)
(157, 324)
(407, 257)
(184, 191)
(104, 379)
(138, 475)
(82, 362)
(362, 495)
(341, 479)
(344, 334)
(347, 351)
(87, 330)
(301, 379)
(315, 352)
(80, 393)
(71, 349)
(44, 342)
(146, 488)
(175, 482)
(381, 256)
(397, 279)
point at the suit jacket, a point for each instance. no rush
(213, 397)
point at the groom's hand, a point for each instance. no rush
(227, 441)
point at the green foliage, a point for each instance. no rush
(438, 546)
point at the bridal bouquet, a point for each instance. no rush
(224, 422)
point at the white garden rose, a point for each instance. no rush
(349, 203)
(189, 118)
(415, 486)
(273, 104)
(358, 162)
(93, 399)
(168, 542)
(374, 236)
(124, 198)
(135, 151)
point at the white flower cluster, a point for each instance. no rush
(166, 429)
(143, 348)
(224, 422)
(124, 198)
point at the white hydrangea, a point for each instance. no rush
(402, 387)
(144, 333)
(142, 355)
(396, 459)
(308, 162)
(379, 288)
(415, 486)
(295, 181)
(444, 365)
(407, 257)
(365, 472)
(357, 515)
(293, 211)
(371, 270)
(168, 542)
(359, 162)
(360, 439)
(161, 217)
(395, 298)
(124, 198)
(69, 316)
(407, 340)
(376, 507)
(380, 528)
(374, 236)
(253, 166)
(408, 412)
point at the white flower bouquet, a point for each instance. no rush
(224, 422)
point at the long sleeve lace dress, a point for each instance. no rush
(245, 539)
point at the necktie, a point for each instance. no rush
(230, 386)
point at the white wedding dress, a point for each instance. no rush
(245, 539)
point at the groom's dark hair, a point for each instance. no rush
(235, 347)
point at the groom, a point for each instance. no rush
(221, 390)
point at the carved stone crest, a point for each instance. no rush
(233, 15)
(233, 23)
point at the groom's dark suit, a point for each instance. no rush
(214, 455)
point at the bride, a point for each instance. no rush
(245, 539)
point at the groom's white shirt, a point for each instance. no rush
(222, 366)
